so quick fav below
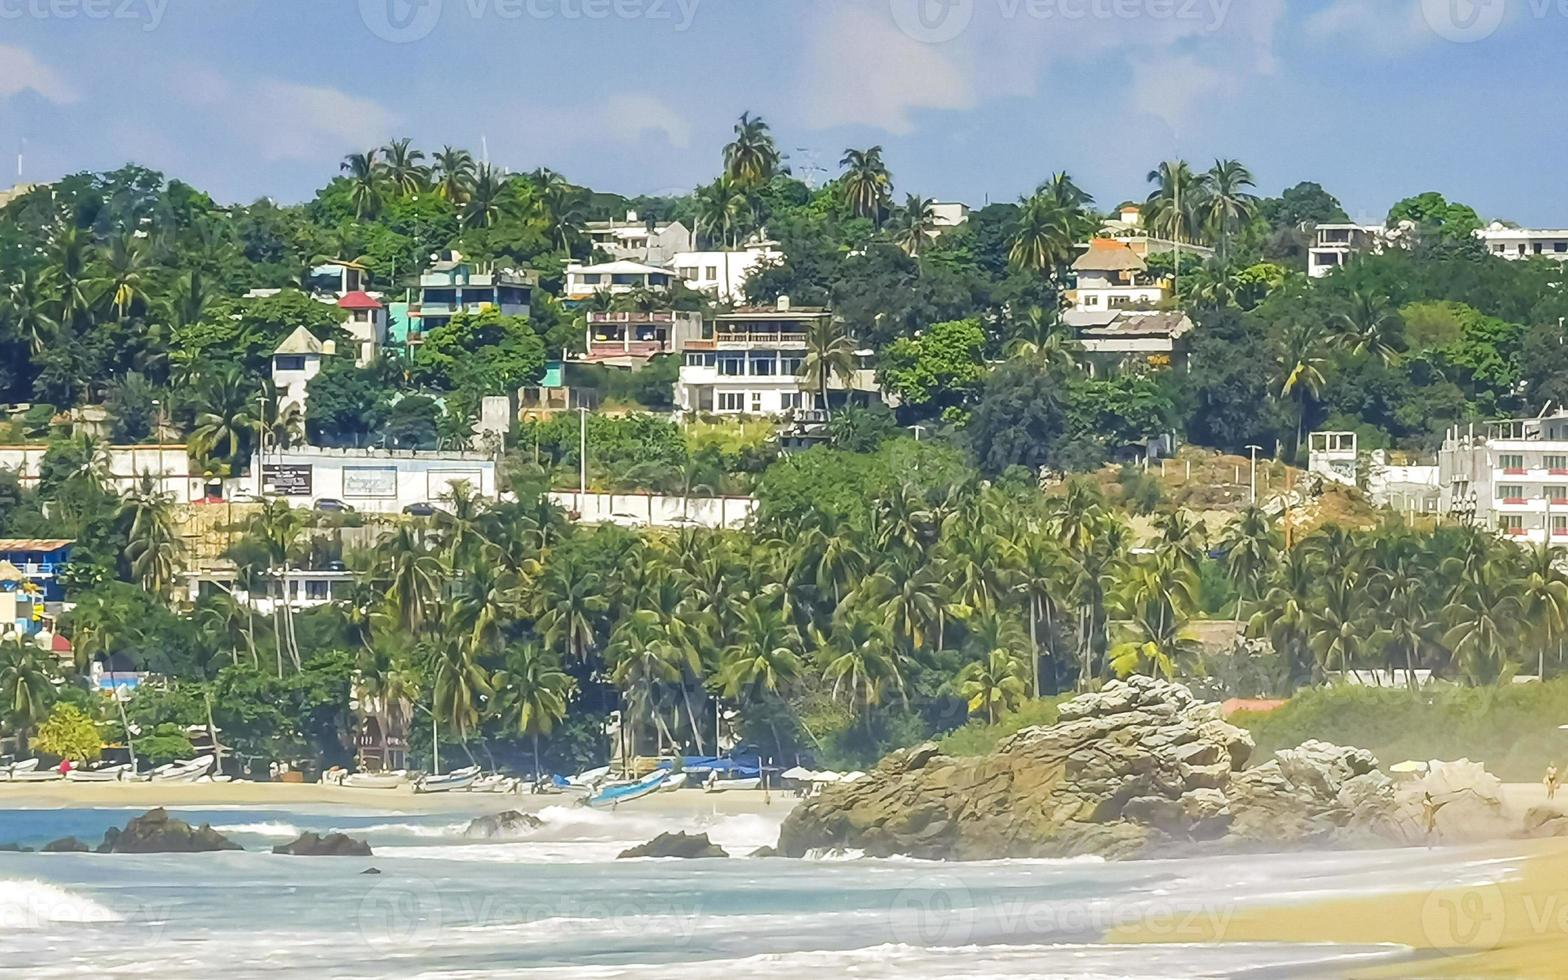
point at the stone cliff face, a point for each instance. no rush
(1127, 770)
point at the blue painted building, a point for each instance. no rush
(40, 562)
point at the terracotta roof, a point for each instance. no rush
(1128, 323)
(359, 300)
(59, 644)
(1109, 255)
(301, 341)
(34, 544)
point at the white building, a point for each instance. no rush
(367, 323)
(751, 364)
(1510, 476)
(1407, 488)
(723, 274)
(297, 360)
(1128, 228)
(615, 278)
(640, 239)
(377, 481)
(1520, 243)
(627, 338)
(1115, 314)
(168, 466)
(949, 214)
(1334, 244)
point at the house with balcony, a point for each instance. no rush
(722, 274)
(454, 285)
(1116, 316)
(295, 362)
(615, 279)
(1508, 242)
(366, 322)
(1510, 476)
(750, 362)
(640, 239)
(35, 565)
(627, 338)
(1334, 244)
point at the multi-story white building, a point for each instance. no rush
(751, 364)
(1510, 476)
(366, 322)
(1116, 313)
(640, 239)
(615, 278)
(1521, 243)
(380, 481)
(295, 362)
(1334, 244)
(627, 338)
(722, 275)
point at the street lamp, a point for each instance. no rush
(1255, 451)
(582, 459)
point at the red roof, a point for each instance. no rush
(359, 300)
(59, 644)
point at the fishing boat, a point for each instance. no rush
(717, 785)
(105, 774)
(675, 782)
(618, 793)
(36, 776)
(184, 771)
(26, 765)
(376, 780)
(456, 779)
(588, 777)
(494, 783)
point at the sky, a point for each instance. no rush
(972, 100)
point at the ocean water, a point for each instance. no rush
(557, 905)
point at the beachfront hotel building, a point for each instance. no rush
(1510, 476)
(750, 361)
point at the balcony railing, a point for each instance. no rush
(759, 337)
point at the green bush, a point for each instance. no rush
(978, 738)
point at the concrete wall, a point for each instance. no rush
(372, 481)
(639, 509)
(170, 466)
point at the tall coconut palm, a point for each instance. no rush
(914, 224)
(1543, 599)
(995, 683)
(1226, 204)
(69, 257)
(830, 356)
(751, 158)
(532, 692)
(570, 600)
(454, 173)
(558, 206)
(405, 174)
(153, 544)
(1251, 544)
(26, 308)
(1485, 618)
(1370, 325)
(1337, 629)
(860, 660)
(226, 417)
(124, 283)
(764, 656)
(1178, 198)
(460, 685)
(1405, 625)
(1040, 335)
(26, 690)
(367, 182)
(413, 576)
(1300, 364)
(866, 184)
(1044, 235)
(488, 198)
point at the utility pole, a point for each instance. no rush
(1255, 450)
(582, 459)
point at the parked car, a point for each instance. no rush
(423, 508)
(332, 505)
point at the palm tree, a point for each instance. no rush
(830, 356)
(1337, 629)
(69, 257)
(533, 692)
(1040, 335)
(862, 663)
(1179, 196)
(488, 198)
(751, 158)
(914, 225)
(152, 544)
(26, 690)
(570, 600)
(994, 682)
(123, 285)
(558, 205)
(1485, 617)
(459, 685)
(1044, 235)
(27, 309)
(367, 182)
(1543, 599)
(1406, 627)
(413, 576)
(401, 165)
(225, 417)
(454, 172)
(764, 657)
(866, 184)
(1250, 544)
(1226, 204)
(1300, 362)
(1370, 325)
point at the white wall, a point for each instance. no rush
(170, 467)
(372, 480)
(727, 282)
(634, 509)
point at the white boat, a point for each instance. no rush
(36, 776)
(589, 777)
(456, 779)
(675, 782)
(26, 765)
(617, 793)
(376, 780)
(106, 774)
(715, 785)
(495, 783)
(184, 771)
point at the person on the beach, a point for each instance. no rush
(1551, 781)
(1429, 808)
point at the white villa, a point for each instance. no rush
(1115, 313)
(297, 360)
(640, 240)
(1520, 243)
(1334, 244)
(616, 278)
(723, 274)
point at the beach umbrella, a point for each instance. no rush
(1408, 766)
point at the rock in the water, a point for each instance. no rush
(507, 823)
(311, 844)
(765, 852)
(371, 871)
(66, 845)
(14, 848)
(155, 832)
(1137, 766)
(677, 845)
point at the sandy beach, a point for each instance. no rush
(56, 795)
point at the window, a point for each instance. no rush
(1556, 462)
(1510, 491)
(288, 362)
(1511, 461)
(789, 401)
(694, 360)
(790, 364)
(764, 366)
(713, 272)
(1560, 247)
(1559, 525)
(316, 589)
(732, 401)
(732, 366)
(756, 403)
(1511, 522)
(1539, 248)
(592, 278)
(1091, 300)
(687, 272)
(1557, 495)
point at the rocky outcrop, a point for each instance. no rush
(497, 826)
(1138, 766)
(66, 845)
(677, 845)
(311, 844)
(155, 832)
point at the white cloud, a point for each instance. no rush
(628, 117)
(1382, 27)
(1171, 87)
(21, 72)
(287, 120)
(859, 69)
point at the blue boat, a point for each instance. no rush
(624, 792)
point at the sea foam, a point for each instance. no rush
(28, 904)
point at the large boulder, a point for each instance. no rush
(1138, 766)
(66, 845)
(677, 845)
(497, 826)
(155, 832)
(310, 844)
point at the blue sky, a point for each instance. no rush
(971, 99)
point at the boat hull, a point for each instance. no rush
(455, 780)
(611, 796)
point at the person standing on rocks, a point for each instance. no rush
(1551, 781)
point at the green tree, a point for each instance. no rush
(70, 734)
